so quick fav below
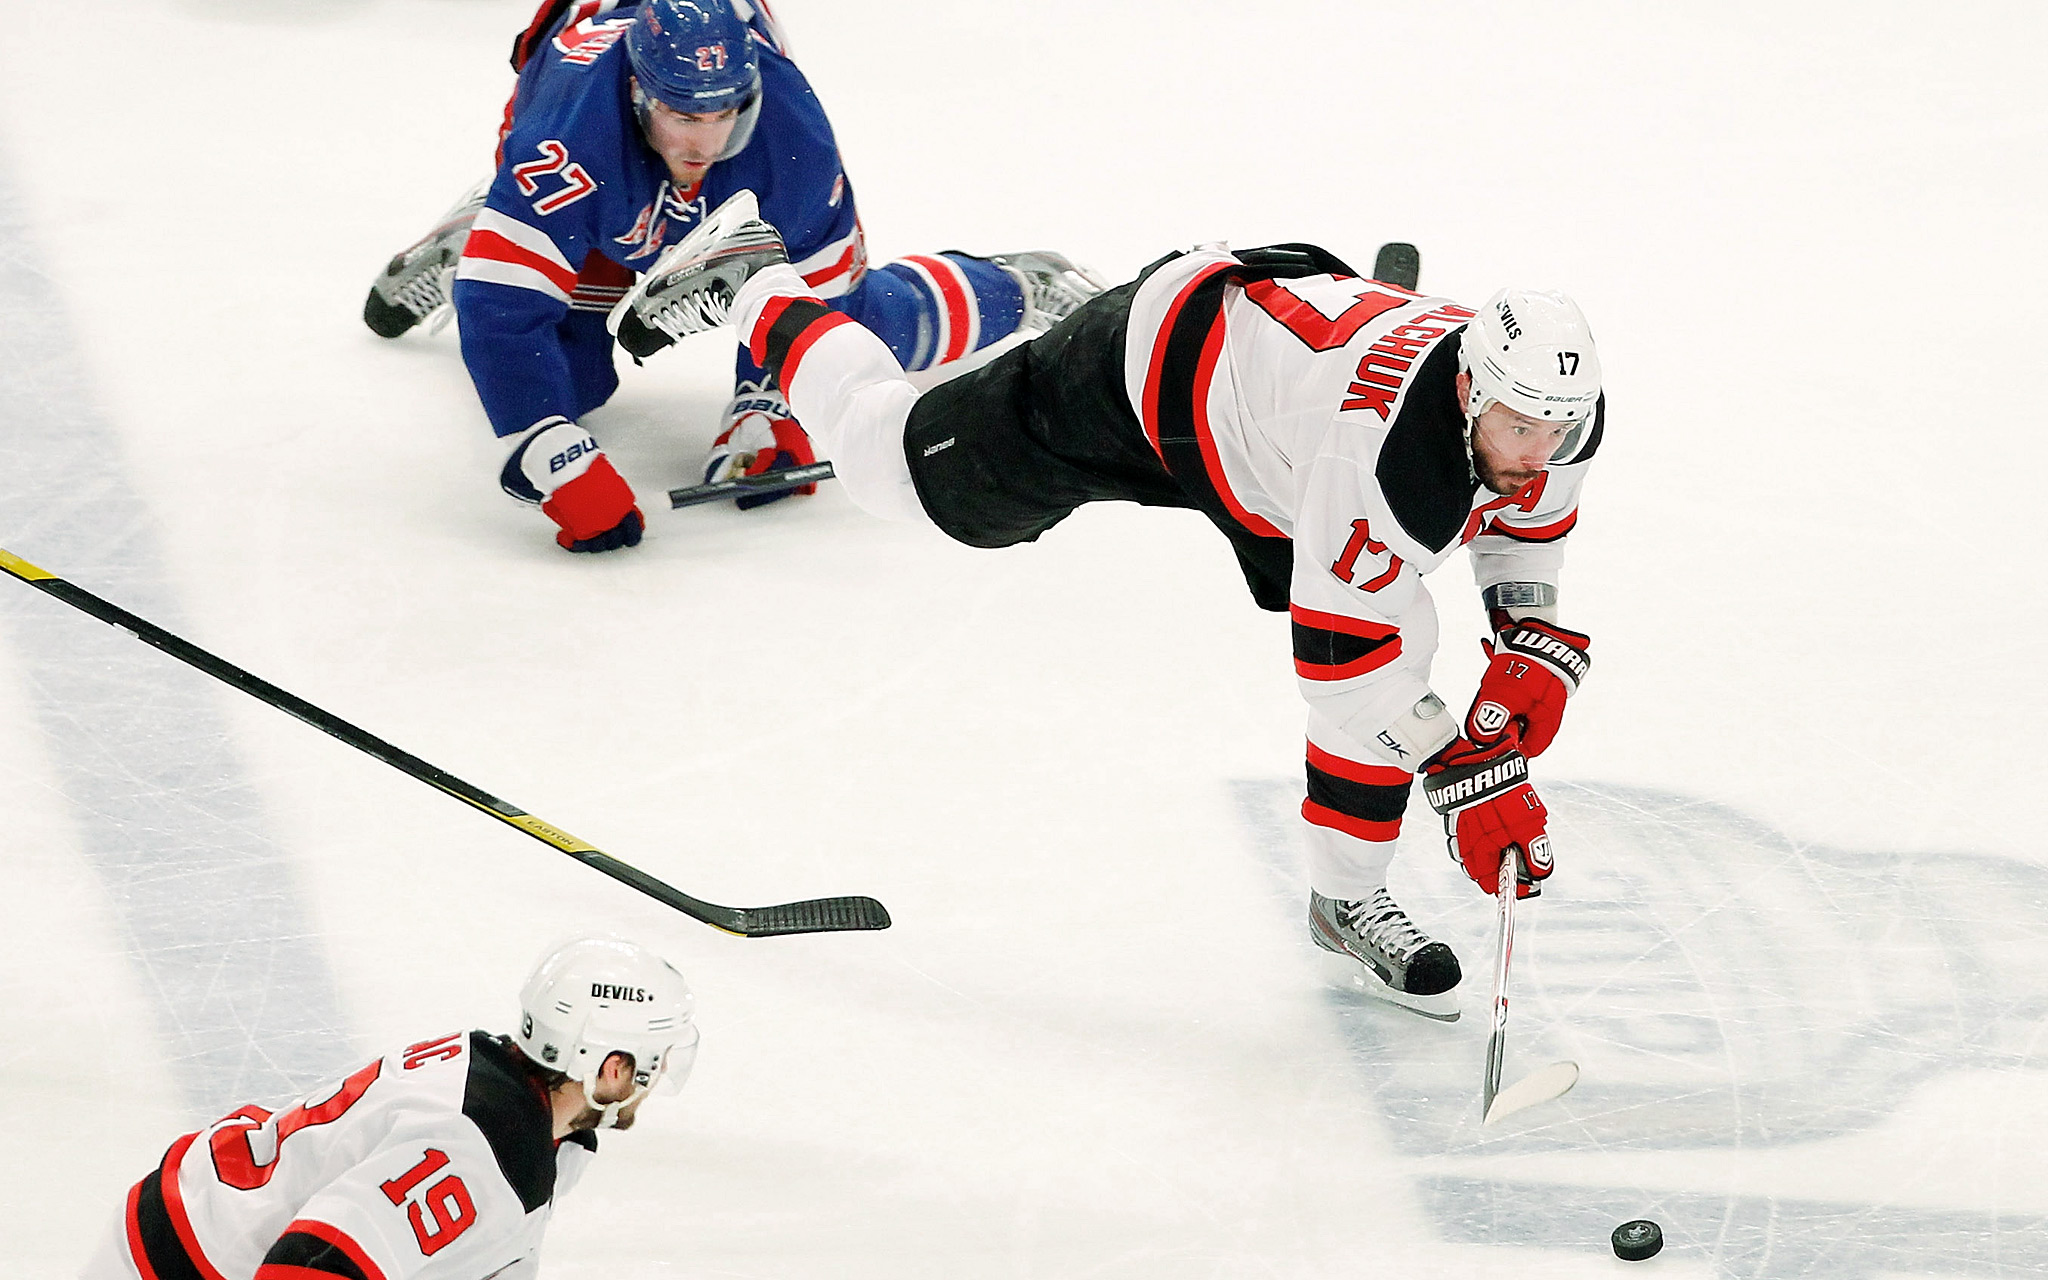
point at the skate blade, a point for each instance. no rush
(740, 206)
(1438, 1008)
(1553, 1081)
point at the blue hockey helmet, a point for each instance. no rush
(697, 57)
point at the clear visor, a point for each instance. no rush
(674, 1068)
(692, 115)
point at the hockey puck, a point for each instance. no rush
(1635, 1241)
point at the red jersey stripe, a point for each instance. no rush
(1341, 623)
(133, 1221)
(844, 266)
(1377, 775)
(1205, 372)
(1373, 661)
(812, 332)
(174, 1202)
(945, 277)
(1541, 533)
(757, 341)
(492, 247)
(1149, 411)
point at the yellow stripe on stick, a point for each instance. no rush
(553, 835)
(22, 569)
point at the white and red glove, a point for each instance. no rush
(558, 465)
(1484, 795)
(761, 437)
(1533, 670)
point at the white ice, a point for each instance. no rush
(1797, 940)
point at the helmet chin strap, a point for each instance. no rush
(608, 1112)
(1472, 429)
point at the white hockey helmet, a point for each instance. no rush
(595, 996)
(1533, 352)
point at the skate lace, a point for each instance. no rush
(1053, 296)
(693, 312)
(1383, 924)
(421, 294)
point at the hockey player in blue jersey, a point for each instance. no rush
(629, 123)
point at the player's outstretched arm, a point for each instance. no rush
(558, 465)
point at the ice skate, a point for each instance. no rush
(1400, 962)
(414, 285)
(1054, 287)
(691, 286)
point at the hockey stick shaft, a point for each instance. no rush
(743, 486)
(816, 915)
(1504, 939)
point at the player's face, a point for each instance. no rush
(687, 141)
(1510, 449)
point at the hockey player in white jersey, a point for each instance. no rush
(1346, 434)
(443, 1159)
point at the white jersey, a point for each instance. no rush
(435, 1161)
(1324, 412)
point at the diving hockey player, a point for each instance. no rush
(1347, 435)
(629, 122)
(442, 1159)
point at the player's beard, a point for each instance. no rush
(589, 1118)
(1505, 483)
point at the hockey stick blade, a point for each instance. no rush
(816, 915)
(1398, 263)
(1553, 1081)
(767, 482)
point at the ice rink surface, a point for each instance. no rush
(1799, 935)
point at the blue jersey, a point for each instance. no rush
(581, 203)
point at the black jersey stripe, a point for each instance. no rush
(152, 1234)
(1187, 361)
(1365, 801)
(501, 1098)
(786, 321)
(300, 1254)
(1328, 646)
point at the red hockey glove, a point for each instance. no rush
(559, 466)
(1483, 792)
(762, 437)
(1536, 666)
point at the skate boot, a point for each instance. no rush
(1054, 287)
(690, 288)
(1402, 964)
(415, 284)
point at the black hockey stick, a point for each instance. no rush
(767, 482)
(813, 915)
(1398, 263)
